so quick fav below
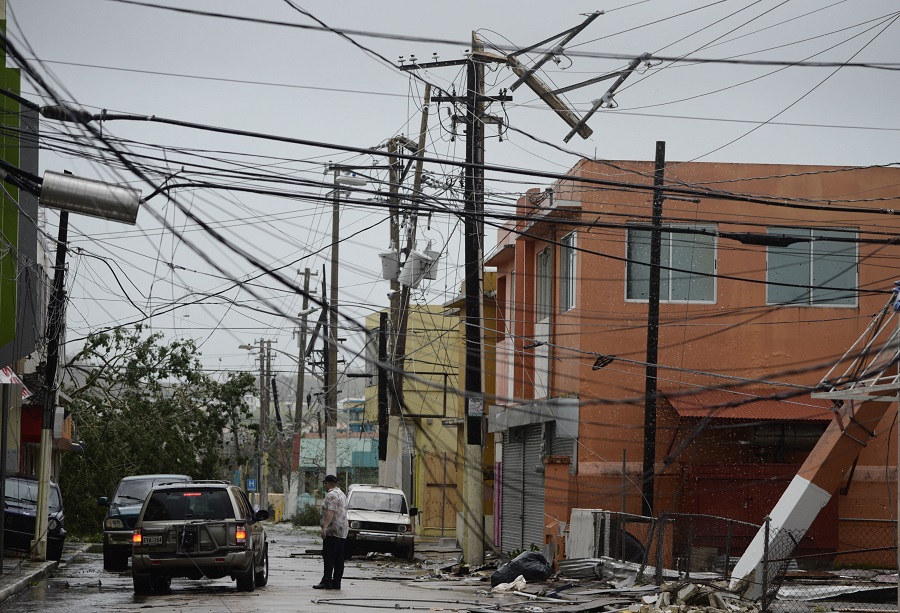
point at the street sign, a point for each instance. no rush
(251, 485)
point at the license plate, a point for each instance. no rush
(152, 539)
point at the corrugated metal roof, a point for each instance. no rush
(724, 404)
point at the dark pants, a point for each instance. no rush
(333, 554)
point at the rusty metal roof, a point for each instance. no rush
(725, 404)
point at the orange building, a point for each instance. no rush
(768, 274)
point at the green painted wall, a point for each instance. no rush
(9, 212)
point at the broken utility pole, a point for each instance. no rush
(860, 403)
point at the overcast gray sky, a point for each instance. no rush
(318, 86)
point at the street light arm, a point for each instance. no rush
(20, 178)
(23, 101)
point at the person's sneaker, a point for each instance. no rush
(322, 586)
(334, 586)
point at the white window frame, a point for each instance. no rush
(671, 240)
(781, 255)
(568, 266)
(543, 299)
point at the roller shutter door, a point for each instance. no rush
(533, 526)
(513, 502)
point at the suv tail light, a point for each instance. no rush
(240, 534)
(136, 538)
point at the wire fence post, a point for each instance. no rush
(764, 600)
(660, 547)
(726, 572)
(690, 548)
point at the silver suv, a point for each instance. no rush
(195, 530)
(380, 520)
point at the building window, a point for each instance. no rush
(687, 265)
(567, 272)
(544, 278)
(812, 272)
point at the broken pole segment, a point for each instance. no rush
(808, 493)
(861, 401)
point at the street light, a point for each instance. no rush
(69, 194)
(87, 197)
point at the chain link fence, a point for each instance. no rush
(795, 574)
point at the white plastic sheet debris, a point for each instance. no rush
(515, 585)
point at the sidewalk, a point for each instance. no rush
(19, 572)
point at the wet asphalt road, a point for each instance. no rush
(83, 585)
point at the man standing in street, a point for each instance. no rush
(334, 534)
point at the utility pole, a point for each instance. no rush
(653, 333)
(400, 303)
(292, 478)
(474, 366)
(263, 423)
(55, 316)
(264, 485)
(331, 389)
(301, 358)
(332, 362)
(382, 387)
(262, 437)
(473, 515)
(326, 375)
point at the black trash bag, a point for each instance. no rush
(530, 564)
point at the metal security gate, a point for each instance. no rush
(533, 469)
(522, 519)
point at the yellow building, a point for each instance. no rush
(432, 423)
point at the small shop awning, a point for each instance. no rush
(8, 376)
(759, 406)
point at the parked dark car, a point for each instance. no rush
(126, 503)
(195, 530)
(19, 518)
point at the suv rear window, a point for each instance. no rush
(180, 505)
(377, 501)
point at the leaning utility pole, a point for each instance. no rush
(389, 468)
(400, 300)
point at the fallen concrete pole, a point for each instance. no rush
(810, 490)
